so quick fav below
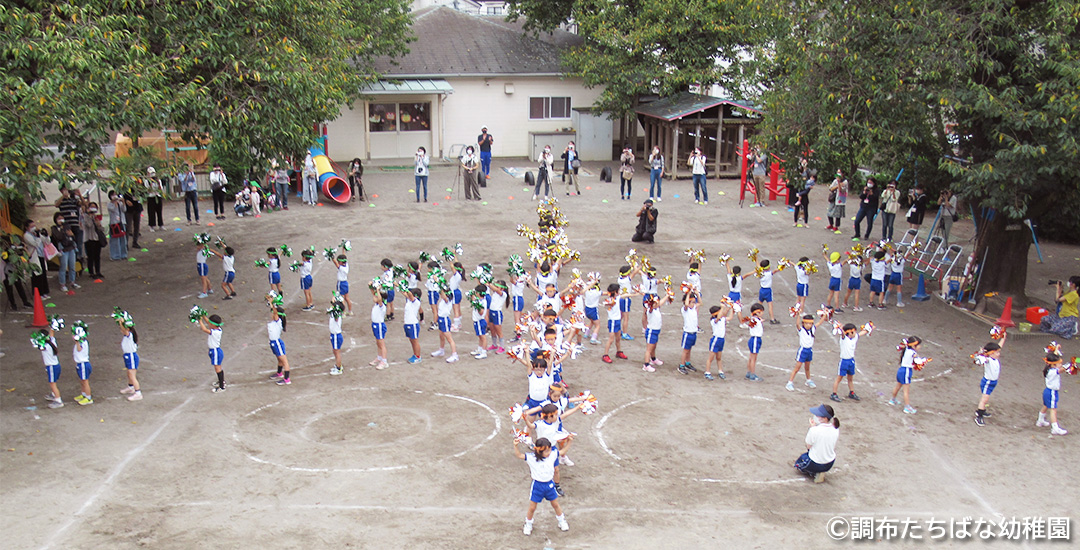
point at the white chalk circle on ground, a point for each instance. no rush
(357, 430)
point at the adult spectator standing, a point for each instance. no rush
(10, 258)
(218, 182)
(63, 238)
(571, 163)
(869, 199)
(133, 215)
(760, 171)
(821, 441)
(93, 237)
(626, 171)
(917, 211)
(949, 214)
(470, 164)
(484, 141)
(309, 174)
(117, 235)
(656, 174)
(646, 226)
(697, 163)
(155, 201)
(1064, 323)
(191, 195)
(422, 161)
(70, 205)
(546, 160)
(35, 248)
(890, 205)
(356, 179)
(280, 178)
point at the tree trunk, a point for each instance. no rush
(1005, 244)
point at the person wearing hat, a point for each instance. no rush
(218, 181)
(821, 440)
(646, 226)
(890, 205)
(484, 141)
(155, 201)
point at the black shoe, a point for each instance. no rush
(682, 369)
(979, 420)
(986, 414)
(558, 489)
(233, 295)
(774, 321)
(227, 298)
(836, 398)
(690, 367)
(853, 397)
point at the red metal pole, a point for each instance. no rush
(745, 161)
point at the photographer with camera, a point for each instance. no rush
(422, 161)
(546, 160)
(470, 163)
(35, 240)
(646, 227)
(1064, 323)
(949, 214)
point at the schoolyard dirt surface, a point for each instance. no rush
(419, 456)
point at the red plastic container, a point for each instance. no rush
(1035, 314)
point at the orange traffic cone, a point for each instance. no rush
(39, 311)
(1006, 315)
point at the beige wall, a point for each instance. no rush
(476, 101)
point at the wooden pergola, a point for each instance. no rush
(717, 125)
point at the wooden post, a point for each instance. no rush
(720, 141)
(676, 161)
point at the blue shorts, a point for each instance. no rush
(834, 284)
(495, 317)
(457, 296)
(847, 367)
(531, 403)
(854, 283)
(591, 313)
(543, 490)
(517, 303)
(432, 297)
(343, 287)
(716, 344)
(216, 356)
(480, 327)
(646, 297)
(305, 282)
(444, 324)
(754, 344)
(278, 347)
(412, 331)
(378, 330)
(84, 370)
(652, 336)
(275, 277)
(230, 276)
(131, 361)
(203, 269)
(903, 375)
(624, 305)
(1050, 398)
(764, 295)
(804, 355)
(390, 296)
(987, 386)
(896, 278)
(877, 286)
(614, 325)
(802, 289)
(688, 340)
(53, 372)
(734, 296)
(336, 340)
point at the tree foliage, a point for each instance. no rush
(255, 76)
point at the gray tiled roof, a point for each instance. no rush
(449, 42)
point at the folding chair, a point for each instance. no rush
(928, 253)
(951, 256)
(909, 238)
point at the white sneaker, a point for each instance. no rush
(900, 304)
(594, 341)
(202, 295)
(51, 397)
(438, 353)
(334, 371)
(128, 390)
(528, 525)
(481, 355)
(563, 526)
(56, 404)
(452, 359)
(1055, 430)
(76, 285)
(373, 362)
(810, 384)
(1041, 423)
(566, 460)
(382, 365)
(137, 396)
(789, 387)
(63, 288)
(475, 352)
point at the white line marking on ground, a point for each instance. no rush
(115, 473)
(600, 425)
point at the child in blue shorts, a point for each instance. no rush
(878, 265)
(274, 328)
(335, 312)
(45, 340)
(989, 356)
(1052, 377)
(542, 468)
(411, 323)
(855, 279)
(765, 292)
(445, 308)
(909, 348)
(848, 341)
(129, 344)
(802, 281)
(212, 327)
(388, 280)
(807, 330)
(378, 327)
(478, 302)
(306, 281)
(718, 318)
(614, 323)
(342, 265)
(653, 322)
(757, 330)
(690, 330)
(836, 276)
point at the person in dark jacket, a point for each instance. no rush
(868, 207)
(646, 226)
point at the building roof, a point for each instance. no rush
(686, 103)
(451, 43)
(397, 87)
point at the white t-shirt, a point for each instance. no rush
(592, 297)
(694, 278)
(653, 319)
(613, 313)
(343, 272)
(1053, 379)
(542, 281)
(898, 264)
(454, 281)
(305, 268)
(836, 269)
(213, 340)
(877, 270)
(908, 360)
(444, 308)
(550, 431)
(128, 345)
(648, 284)
(412, 312)
(517, 288)
(806, 337)
(378, 313)
(737, 285)
(81, 355)
(625, 284)
(412, 280)
(431, 285)
(274, 265)
(689, 319)
(47, 355)
(822, 440)
(758, 329)
(549, 302)
(273, 330)
(847, 346)
(478, 315)
(991, 369)
(855, 271)
(200, 256)
(335, 325)
(496, 301)
(538, 386)
(766, 279)
(542, 470)
(227, 263)
(801, 276)
(719, 326)
(388, 276)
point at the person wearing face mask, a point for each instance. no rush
(469, 165)
(117, 234)
(821, 441)
(868, 206)
(422, 162)
(311, 194)
(656, 174)
(35, 248)
(546, 159)
(484, 140)
(93, 237)
(697, 164)
(154, 200)
(571, 163)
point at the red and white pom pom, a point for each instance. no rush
(826, 312)
(1073, 366)
(837, 328)
(588, 406)
(920, 362)
(868, 327)
(795, 309)
(686, 287)
(980, 358)
(521, 436)
(567, 301)
(1054, 348)
(997, 332)
(516, 412)
(610, 302)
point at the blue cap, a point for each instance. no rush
(820, 411)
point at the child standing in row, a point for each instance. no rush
(388, 281)
(626, 285)
(445, 309)
(848, 341)
(336, 312)
(690, 330)
(412, 317)
(542, 469)
(342, 264)
(896, 278)
(212, 327)
(274, 328)
(479, 321)
(878, 266)
(718, 318)
(765, 292)
(802, 281)
(807, 330)
(496, 302)
(1052, 376)
(204, 273)
(909, 348)
(306, 281)
(757, 330)
(273, 267)
(432, 287)
(592, 313)
(45, 340)
(614, 322)
(228, 263)
(81, 354)
(991, 354)
(378, 328)
(734, 282)
(457, 275)
(855, 279)
(653, 322)
(836, 275)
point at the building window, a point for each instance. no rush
(399, 117)
(549, 107)
(415, 117)
(382, 117)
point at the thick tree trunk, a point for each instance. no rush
(1005, 244)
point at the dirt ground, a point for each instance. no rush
(420, 455)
